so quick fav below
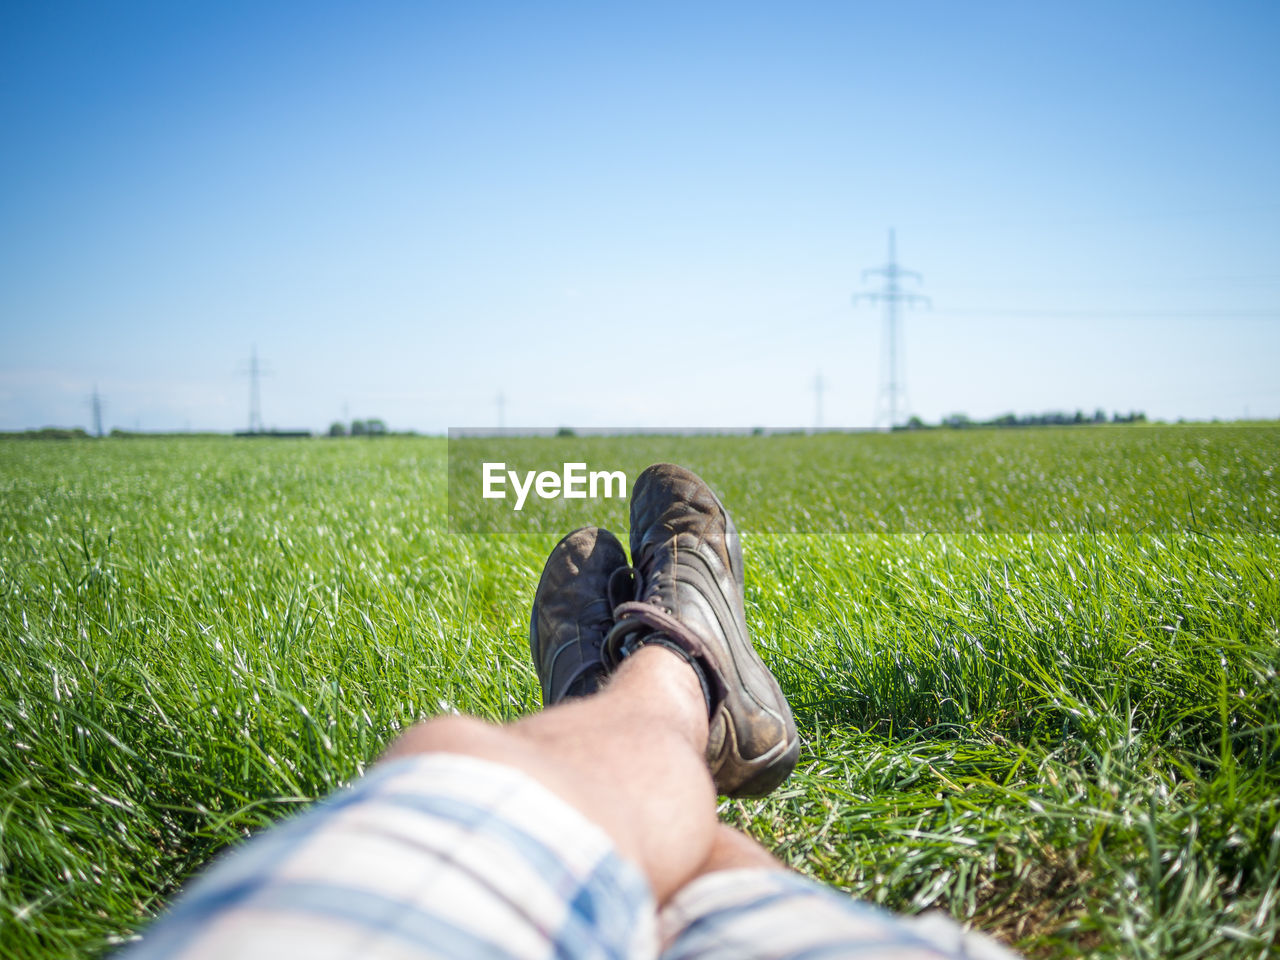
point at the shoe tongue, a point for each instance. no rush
(622, 586)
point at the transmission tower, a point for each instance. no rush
(891, 401)
(96, 401)
(255, 371)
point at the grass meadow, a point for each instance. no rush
(1064, 733)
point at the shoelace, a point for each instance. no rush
(646, 583)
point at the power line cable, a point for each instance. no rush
(1104, 314)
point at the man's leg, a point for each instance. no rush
(733, 850)
(746, 905)
(524, 840)
(475, 840)
(630, 758)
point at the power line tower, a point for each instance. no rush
(96, 401)
(891, 401)
(255, 371)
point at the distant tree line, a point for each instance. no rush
(1054, 418)
(47, 433)
(373, 427)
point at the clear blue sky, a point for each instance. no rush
(643, 216)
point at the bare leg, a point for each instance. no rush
(630, 758)
(734, 850)
(729, 905)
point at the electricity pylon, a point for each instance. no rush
(891, 401)
(96, 401)
(255, 371)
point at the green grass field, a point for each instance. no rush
(1067, 735)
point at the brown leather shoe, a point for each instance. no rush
(573, 610)
(688, 597)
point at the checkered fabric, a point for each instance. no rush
(776, 915)
(446, 856)
(437, 855)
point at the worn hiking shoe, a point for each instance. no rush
(688, 597)
(573, 610)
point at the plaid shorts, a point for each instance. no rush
(448, 856)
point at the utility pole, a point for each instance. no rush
(818, 387)
(97, 411)
(891, 402)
